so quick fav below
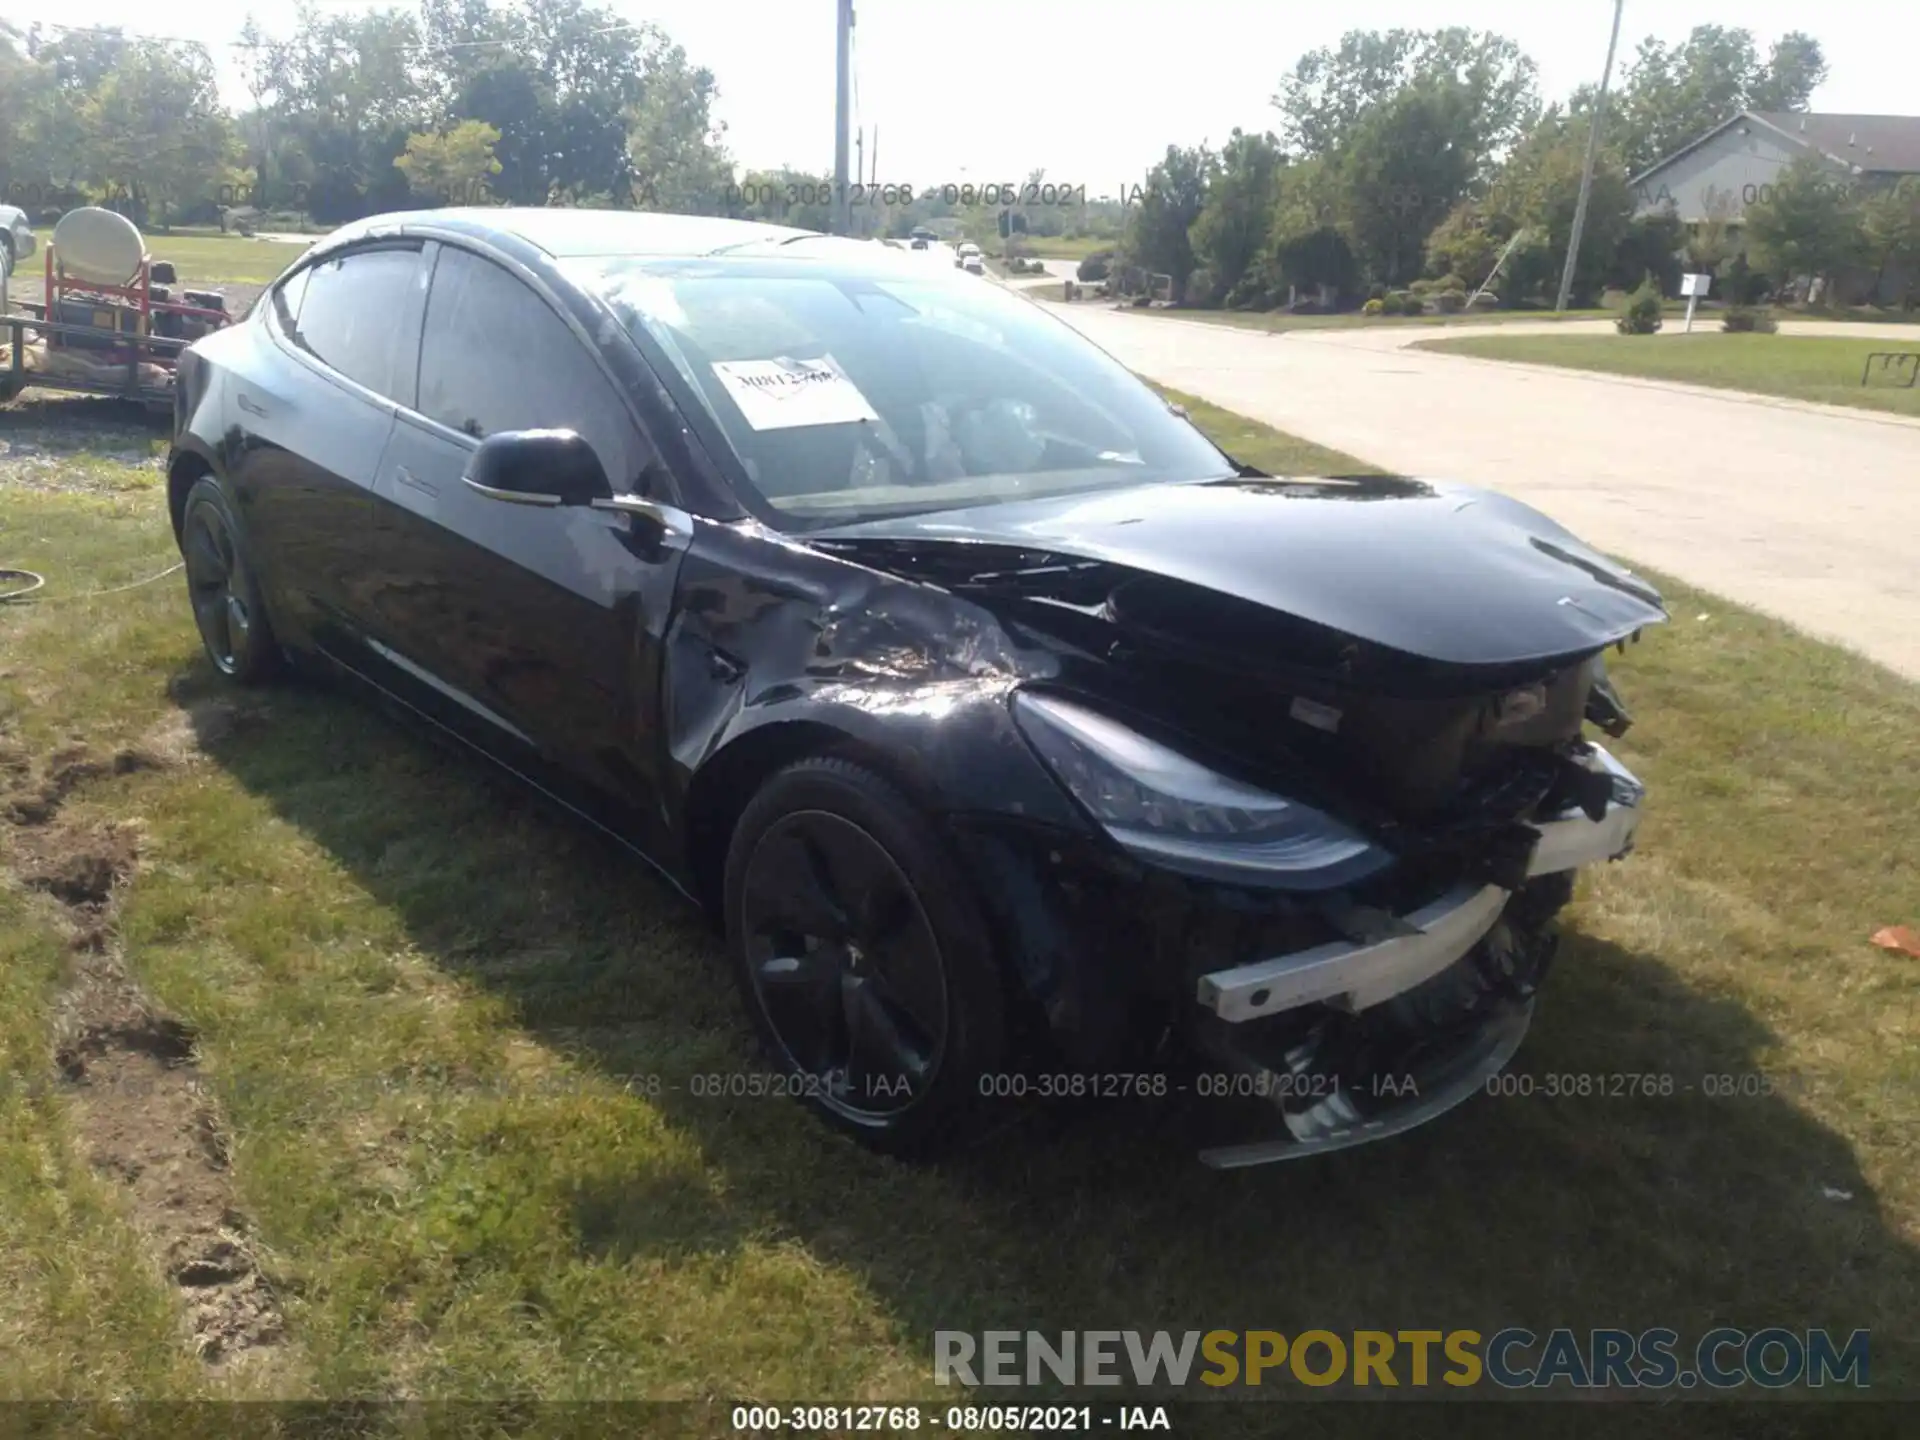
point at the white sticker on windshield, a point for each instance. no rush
(782, 394)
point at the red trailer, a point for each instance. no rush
(93, 338)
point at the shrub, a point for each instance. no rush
(1744, 319)
(1095, 267)
(1199, 288)
(1641, 314)
(1485, 300)
(1411, 304)
(1374, 307)
(1450, 302)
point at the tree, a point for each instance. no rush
(14, 80)
(1158, 233)
(1232, 227)
(1811, 225)
(1711, 242)
(1331, 90)
(1795, 68)
(1309, 259)
(159, 135)
(676, 153)
(1890, 227)
(784, 197)
(1650, 246)
(1539, 189)
(347, 90)
(1670, 96)
(453, 166)
(1304, 245)
(1408, 162)
(1467, 243)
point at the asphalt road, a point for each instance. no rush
(1810, 513)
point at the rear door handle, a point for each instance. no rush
(250, 405)
(414, 482)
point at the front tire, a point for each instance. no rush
(227, 608)
(863, 958)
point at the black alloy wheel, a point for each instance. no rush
(220, 584)
(862, 958)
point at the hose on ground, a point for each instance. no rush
(34, 581)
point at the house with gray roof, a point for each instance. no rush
(1736, 164)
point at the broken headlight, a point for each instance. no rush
(1176, 813)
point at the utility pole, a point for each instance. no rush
(860, 166)
(1586, 175)
(842, 118)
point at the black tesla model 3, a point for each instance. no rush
(1010, 729)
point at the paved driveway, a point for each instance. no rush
(1811, 513)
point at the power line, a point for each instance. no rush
(430, 46)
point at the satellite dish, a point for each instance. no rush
(98, 245)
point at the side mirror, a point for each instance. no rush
(538, 467)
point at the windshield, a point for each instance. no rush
(847, 398)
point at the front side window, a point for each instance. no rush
(496, 357)
(848, 396)
(347, 315)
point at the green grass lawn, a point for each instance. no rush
(205, 256)
(1348, 319)
(1800, 367)
(449, 1040)
(1061, 247)
(1673, 309)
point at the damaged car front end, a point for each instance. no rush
(1328, 744)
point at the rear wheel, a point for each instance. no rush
(862, 957)
(227, 608)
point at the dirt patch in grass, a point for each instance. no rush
(146, 1123)
(32, 800)
(140, 1113)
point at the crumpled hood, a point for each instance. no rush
(1448, 573)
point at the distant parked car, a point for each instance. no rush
(919, 242)
(973, 264)
(16, 244)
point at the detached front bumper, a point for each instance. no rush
(1456, 956)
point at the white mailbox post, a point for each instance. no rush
(1693, 287)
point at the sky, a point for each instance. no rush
(1091, 91)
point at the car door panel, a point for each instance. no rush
(311, 441)
(535, 631)
(302, 484)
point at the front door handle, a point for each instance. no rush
(414, 482)
(250, 405)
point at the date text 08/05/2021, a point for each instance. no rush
(1163, 1085)
(952, 1419)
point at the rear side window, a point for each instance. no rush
(348, 316)
(286, 303)
(496, 357)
